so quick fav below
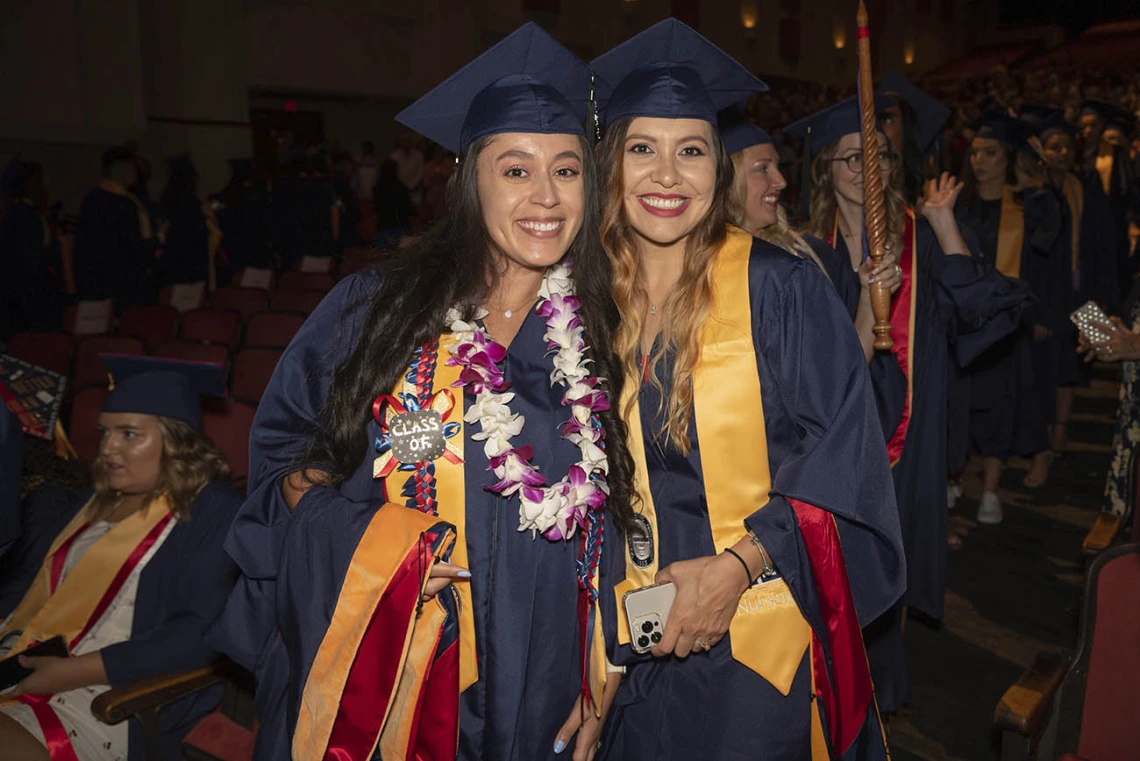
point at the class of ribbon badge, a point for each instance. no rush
(412, 433)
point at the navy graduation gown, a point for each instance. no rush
(185, 254)
(29, 298)
(11, 469)
(112, 259)
(246, 229)
(524, 589)
(823, 438)
(181, 591)
(1010, 404)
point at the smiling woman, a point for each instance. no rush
(730, 481)
(494, 529)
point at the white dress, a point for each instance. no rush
(92, 739)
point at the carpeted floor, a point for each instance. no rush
(1013, 590)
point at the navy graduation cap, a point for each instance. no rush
(167, 388)
(670, 71)
(834, 122)
(997, 125)
(527, 82)
(242, 168)
(1045, 120)
(737, 132)
(1113, 116)
(932, 113)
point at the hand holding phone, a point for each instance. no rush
(647, 611)
(12, 673)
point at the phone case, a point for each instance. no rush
(647, 611)
(12, 673)
(1091, 321)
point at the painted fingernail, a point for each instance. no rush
(464, 574)
(559, 747)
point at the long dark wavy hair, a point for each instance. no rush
(455, 263)
(912, 176)
(970, 181)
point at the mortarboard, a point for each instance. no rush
(242, 169)
(1113, 116)
(998, 125)
(737, 132)
(834, 122)
(670, 71)
(181, 164)
(1045, 120)
(932, 113)
(527, 82)
(167, 388)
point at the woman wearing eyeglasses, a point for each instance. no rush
(946, 300)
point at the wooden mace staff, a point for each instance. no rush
(874, 203)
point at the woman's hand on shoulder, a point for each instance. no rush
(708, 592)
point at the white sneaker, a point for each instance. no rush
(953, 491)
(989, 511)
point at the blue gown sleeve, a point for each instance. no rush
(288, 411)
(981, 306)
(205, 576)
(11, 471)
(826, 443)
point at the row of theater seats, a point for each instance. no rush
(243, 330)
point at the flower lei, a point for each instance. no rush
(556, 511)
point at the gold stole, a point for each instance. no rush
(144, 218)
(769, 634)
(43, 614)
(1011, 233)
(1075, 197)
(1105, 158)
(394, 529)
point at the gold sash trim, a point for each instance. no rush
(769, 634)
(1011, 233)
(42, 615)
(115, 188)
(1075, 196)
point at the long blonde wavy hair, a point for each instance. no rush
(189, 462)
(781, 233)
(824, 207)
(687, 307)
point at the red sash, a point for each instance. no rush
(902, 326)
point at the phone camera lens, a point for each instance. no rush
(643, 641)
(647, 626)
(656, 637)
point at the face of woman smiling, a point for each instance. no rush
(532, 195)
(668, 177)
(764, 182)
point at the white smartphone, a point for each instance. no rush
(647, 611)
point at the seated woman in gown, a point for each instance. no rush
(134, 580)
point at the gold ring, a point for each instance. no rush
(700, 645)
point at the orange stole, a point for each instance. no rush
(69, 609)
(903, 314)
(1011, 234)
(1074, 196)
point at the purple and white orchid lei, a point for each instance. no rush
(557, 511)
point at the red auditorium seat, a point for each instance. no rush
(215, 326)
(295, 301)
(252, 370)
(193, 352)
(228, 424)
(84, 429)
(152, 324)
(51, 351)
(89, 369)
(274, 329)
(247, 301)
(305, 281)
(1085, 703)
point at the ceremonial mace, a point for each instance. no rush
(874, 203)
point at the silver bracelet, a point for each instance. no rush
(769, 569)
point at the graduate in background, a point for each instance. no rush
(946, 302)
(185, 256)
(1106, 131)
(1019, 234)
(437, 427)
(1088, 228)
(912, 122)
(30, 299)
(743, 494)
(159, 511)
(116, 239)
(243, 214)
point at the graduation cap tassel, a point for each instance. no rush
(593, 125)
(874, 202)
(805, 179)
